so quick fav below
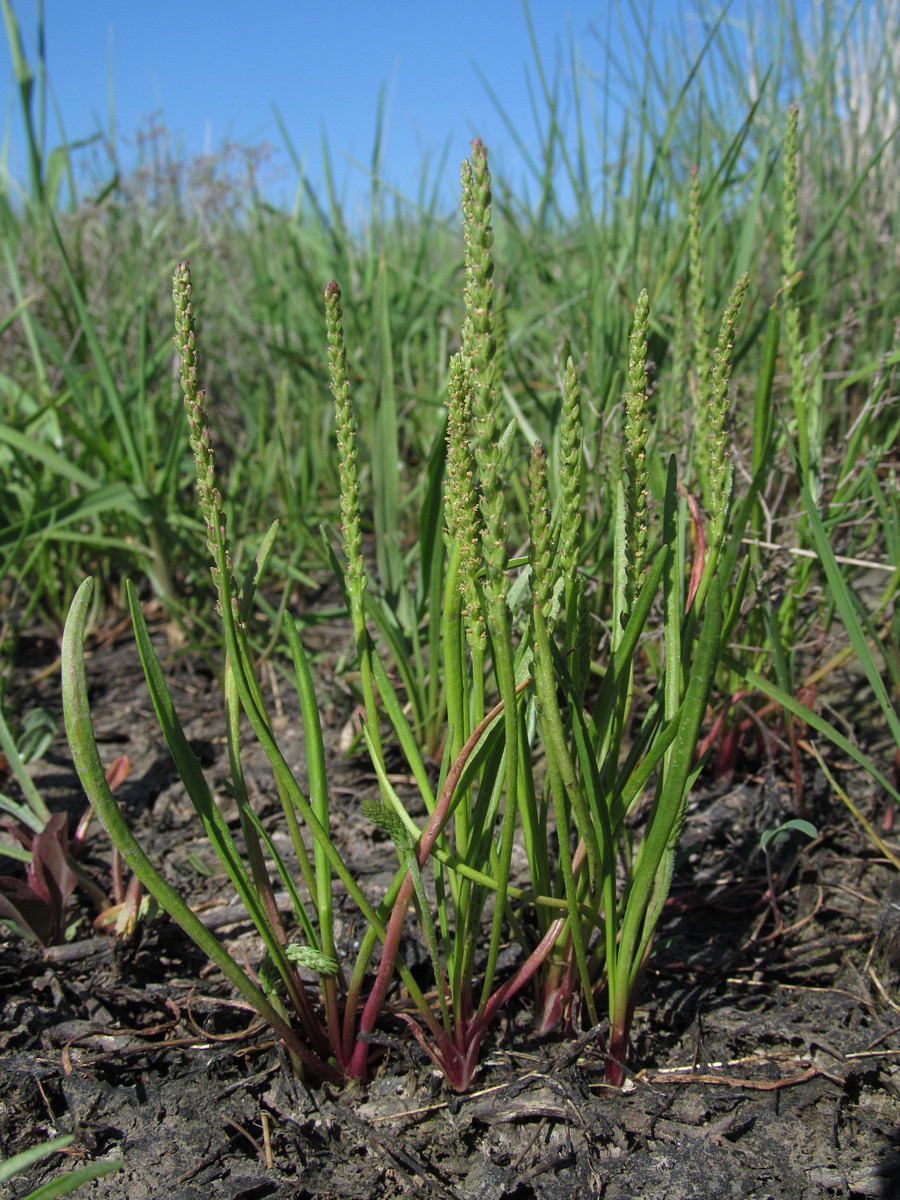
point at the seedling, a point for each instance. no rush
(62, 1184)
(36, 906)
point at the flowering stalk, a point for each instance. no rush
(204, 458)
(790, 223)
(635, 461)
(571, 528)
(345, 435)
(700, 381)
(593, 778)
(313, 1046)
(479, 349)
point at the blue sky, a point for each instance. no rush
(215, 68)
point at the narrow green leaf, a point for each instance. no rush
(841, 596)
(86, 758)
(787, 701)
(27, 1158)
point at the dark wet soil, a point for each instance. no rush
(765, 1059)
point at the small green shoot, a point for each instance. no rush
(62, 1184)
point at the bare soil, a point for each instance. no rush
(764, 1058)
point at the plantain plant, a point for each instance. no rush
(614, 872)
(329, 1040)
(517, 688)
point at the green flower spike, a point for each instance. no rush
(719, 457)
(542, 550)
(697, 301)
(461, 498)
(345, 426)
(479, 348)
(635, 458)
(204, 459)
(570, 473)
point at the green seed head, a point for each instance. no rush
(719, 456)
(195, 408)
(635, 454)
(479, 348)
(790, 225)
(311, 959)
(570, 471)
(345, 425)
(790, 220)
(461, 505)
(542, 550)
(697, 297)
(388, 822)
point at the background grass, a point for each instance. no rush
(95, 470)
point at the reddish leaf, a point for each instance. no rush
(117, 771)
(700, 553)
(39, 903)
(19, 903)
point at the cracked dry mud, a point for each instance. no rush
(765, 1061)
